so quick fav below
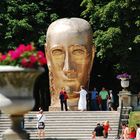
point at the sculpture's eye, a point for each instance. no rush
(78, 52)
(57, 52)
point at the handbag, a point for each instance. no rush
(41, 125)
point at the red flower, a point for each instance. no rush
(21, 48)
(24, 62)
(29, 47)
(24, 56)
(3, 57)
(14, 54)
(43, 61)
(33, 59)
(40, 54)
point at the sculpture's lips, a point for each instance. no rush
(70, 75)
(70, 80)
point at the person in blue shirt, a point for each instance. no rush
(94, 95)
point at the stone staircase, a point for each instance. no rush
(67, 125)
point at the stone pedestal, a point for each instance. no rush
(16, 132)
(125, 97)
(10, 134)
(53, 108)
(16, 98)
(72, 108)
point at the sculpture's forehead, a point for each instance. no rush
(69, 32)
(69, 37)
(68, 24)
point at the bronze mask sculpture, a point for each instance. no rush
(70, 53)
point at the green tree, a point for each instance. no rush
(116, 26)
(27, 21)
(24, 22)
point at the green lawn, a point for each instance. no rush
(134, 118)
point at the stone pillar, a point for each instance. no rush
(125, 97)
(16, 132)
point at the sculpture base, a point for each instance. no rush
(73, 108)
(54, 108)
(11, 134)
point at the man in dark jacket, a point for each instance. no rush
(98, 132)
(63, 99)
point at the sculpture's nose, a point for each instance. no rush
(67, 64)
(68, 68)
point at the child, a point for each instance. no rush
(106, 127)
(99, 102)
(132, 134)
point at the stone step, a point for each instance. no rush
(71, 113)
(66, 125)
(69, 124)
(84, 132)
(80, 135)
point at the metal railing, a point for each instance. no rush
(119, 124)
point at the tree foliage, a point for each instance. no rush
(27, 21)
(116, 25)
(24, 22)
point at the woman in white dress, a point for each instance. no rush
(82, 104)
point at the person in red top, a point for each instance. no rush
(63, 98)
(99, 102)
(106, 127)
(132, 134)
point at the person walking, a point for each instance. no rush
(99, 102)
(94, 103)
(111, 96)
(104, 95)
(82, 104)
(98, 133)
(109, 104)
(41, 124)
(63, 99)
(107, 128)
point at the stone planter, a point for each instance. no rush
(125, 84)
(16, 98)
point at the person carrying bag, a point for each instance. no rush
(41, 124)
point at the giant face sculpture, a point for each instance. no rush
(70, 53)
